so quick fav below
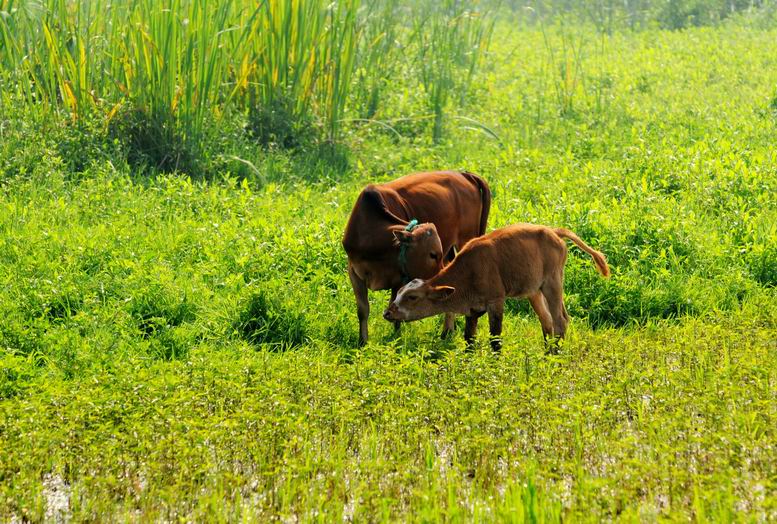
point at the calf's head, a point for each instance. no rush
(417, 299)
(420, 250)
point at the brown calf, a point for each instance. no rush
(522, 260)
(386, 250)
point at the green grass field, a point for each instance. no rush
(182, 346)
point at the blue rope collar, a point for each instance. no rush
(403, 252)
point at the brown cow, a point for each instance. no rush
(385, 247)
(523, 260)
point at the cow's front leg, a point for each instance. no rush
(362, 303)
(471, 328)
(449, 326)
(495, 314)
(397, 323)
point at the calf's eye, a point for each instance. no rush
(433, 256)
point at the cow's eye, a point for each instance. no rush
(412, 298)
(433, 256)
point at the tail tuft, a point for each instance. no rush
(599, 259)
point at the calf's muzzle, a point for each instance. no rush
(392, 313)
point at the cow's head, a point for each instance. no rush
(417, 299)
(420, 251)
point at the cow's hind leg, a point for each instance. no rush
(397, 324)
(362, 303)
(495, 313)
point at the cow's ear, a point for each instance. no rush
(441, 292)
(400, 235)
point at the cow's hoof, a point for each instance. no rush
(553, 347)
(395, 333)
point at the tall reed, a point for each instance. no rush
(173, 68)
(379, 55)
(451, 38)
(47, 53)
(301, 55)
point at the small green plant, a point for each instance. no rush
(264, 320)
(773, 106)
(276, 126)
(566, 54)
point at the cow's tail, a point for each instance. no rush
(601, 262)
(485, 199)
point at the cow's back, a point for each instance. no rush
(452, 201)
(513, 260)
(526, 253)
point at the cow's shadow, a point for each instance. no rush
(425, 340)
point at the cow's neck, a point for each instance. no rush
(461, 300)
(397, 205)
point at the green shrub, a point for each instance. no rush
(275, 125)
(15, 375)
(264, 319)
(154, 141)
(763, 264)
(162, 316)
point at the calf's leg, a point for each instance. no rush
(540, 306)
(362, 303)
(495, 313)
(553, 289)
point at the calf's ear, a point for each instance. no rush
(441, 292)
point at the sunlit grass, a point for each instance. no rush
(185, 348)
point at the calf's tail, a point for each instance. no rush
(485, 199)
(601, 262)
